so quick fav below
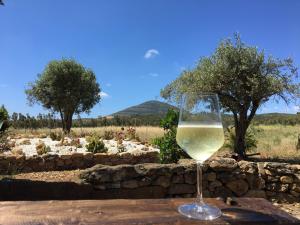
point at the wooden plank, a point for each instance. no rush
(143, 211)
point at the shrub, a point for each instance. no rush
(4, 143)
(131, 134)
(56, 136)
(170, 152)
(76, 143)
(298, 143)
(108, 135)
(250, 138)
(41, 148)
(95, 144)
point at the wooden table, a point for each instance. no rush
(143, 211)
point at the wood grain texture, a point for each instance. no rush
(143, 211)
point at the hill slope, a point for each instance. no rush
(146, 108)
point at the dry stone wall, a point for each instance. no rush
(10, 164)
(223, 177)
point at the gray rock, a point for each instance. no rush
(130, 184)
(190, 178)
(212, 176)
(248, 167)
(286, 179)
(278, 168)
(178, 179)
(163, 181)
(182, 189)
(223, 164)
(239, 187)
(212, 185)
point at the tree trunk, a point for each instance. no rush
(240, 144)
(240, 133)
(68, 123)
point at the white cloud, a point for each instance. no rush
(296, 108)
(108, 84)
(151, 53)
(104, 94)
(153, 74)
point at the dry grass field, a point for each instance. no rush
(274, 141)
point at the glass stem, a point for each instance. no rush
(199, 184)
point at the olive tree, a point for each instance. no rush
(65, 87)
(243, 77)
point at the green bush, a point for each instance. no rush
(170, 152)
(56, 136)
(95, 144)
(250, 139)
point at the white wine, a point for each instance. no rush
(200, 141)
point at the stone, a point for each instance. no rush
(295, 194)
(163, 181)
(65, 156)
(60, 163)
(153, 168)
(296, 187)
(271, 193)
(145, 181)
(130, 184)
(77, 155)
(212, 185)
(239, 187)
(223, 164)
(278, 168)
(182, 189)
(178, 179)
(212, 176)
(248, 167)
(225, 177)
(256, 194)
(255, 181)
(88, 156)
(222, 192)
(286, 179)
(277, 187)
(190, 178)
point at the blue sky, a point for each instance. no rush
(135, 47)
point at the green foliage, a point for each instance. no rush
(170, 152)
(56, 136)
(65, 87)
(243, 77)
(3, 119)
(250, 138)
(3, 113)
(171, 120)
(95, 144)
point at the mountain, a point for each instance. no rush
(146, 108)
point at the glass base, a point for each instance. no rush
(200, 212)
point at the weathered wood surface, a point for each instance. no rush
(144, 211)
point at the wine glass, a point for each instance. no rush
(200, 134)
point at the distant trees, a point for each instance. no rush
(3, 113)
(243, 77)
(65, 87)
(3, 119)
